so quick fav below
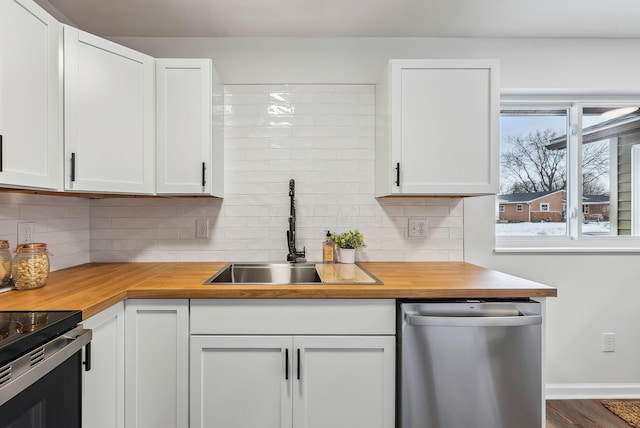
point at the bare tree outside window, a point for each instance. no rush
(529, 165)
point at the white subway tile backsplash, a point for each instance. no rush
(444, 244)
(431, 211)
(103, 210)
(61, 222)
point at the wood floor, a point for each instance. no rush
(582, 414)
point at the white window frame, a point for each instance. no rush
(574, 242)
(501, 208)
(585, 208)
(544, 207)
(519, 208)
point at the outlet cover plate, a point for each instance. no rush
(26, 232)
(418, 227)
(202, 228)
(608, 342)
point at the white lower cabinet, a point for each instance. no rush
(147, 372)
(239, 381)
(344, 381)
(103, 385)
(292, 381)
(279, 380)
(157, 363)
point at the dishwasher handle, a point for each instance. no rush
(444, 321)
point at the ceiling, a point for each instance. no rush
(355, 18)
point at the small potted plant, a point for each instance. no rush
(348, 242)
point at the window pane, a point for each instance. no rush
(533, 173)
(607, 141)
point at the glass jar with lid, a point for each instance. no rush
(30, 267)
(5, 263)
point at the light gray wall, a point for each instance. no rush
(535, 63)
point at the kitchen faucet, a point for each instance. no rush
(294, 255)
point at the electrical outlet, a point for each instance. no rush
(202, 228)
(608, 342)
(25, 232)
(418, 227)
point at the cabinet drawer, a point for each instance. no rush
(293, 316)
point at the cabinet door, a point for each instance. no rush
(30, 114)
(103, 385)
(241, 381)
(183, 126)
(109, 116)
(157, 363)
(438, 128)
(344, 382)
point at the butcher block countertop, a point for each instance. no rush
(94, 287)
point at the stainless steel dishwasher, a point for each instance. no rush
(469, 364)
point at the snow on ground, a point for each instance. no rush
(549, 229)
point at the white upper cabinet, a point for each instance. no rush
(30, 85)
(189, 148)
(437, 125)
(109, 116)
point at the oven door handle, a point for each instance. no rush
(26, 370)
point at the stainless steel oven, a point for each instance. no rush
(41, 360)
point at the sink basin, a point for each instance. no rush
(266, 273)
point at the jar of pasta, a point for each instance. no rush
(5, 263)
(30, 266)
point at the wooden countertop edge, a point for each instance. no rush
(333, 293)
(95, 287)
(100, 306)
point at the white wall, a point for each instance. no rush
(320, 135)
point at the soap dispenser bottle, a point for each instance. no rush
(328, 250)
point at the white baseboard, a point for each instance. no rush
(567, 391)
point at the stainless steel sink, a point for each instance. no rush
(266, 273)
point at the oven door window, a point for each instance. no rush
(52, 402)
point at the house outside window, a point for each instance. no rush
(587, 159)
(501, 208)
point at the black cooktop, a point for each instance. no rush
(23, 331)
